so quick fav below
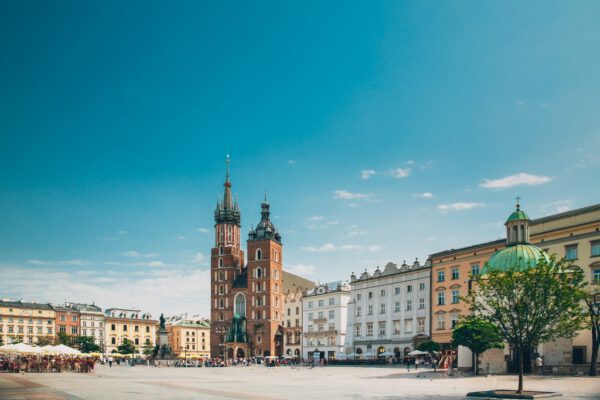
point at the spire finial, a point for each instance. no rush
(265, 197)
(518, 198)
(227, 162)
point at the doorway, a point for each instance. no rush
(579, 354)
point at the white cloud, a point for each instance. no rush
(410, 162)
(357, 233)
(321, 249)
(291, 162)
(300, 269)
(316, 218)
(199, 258)
(346, 195)
(367, 173)
(77, 261)
(350, 247)
(333, 222)
(113, 288)
(153, 263)
(374, 247)
(203, 230)
(136, 254)
(558, 206)
(458, 206)
(122, 233)
(353, 205)
(515, 180)
(401, 172)
(426, 195)
(180, 238)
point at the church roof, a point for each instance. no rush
(265, 230)
(518, 257)
(292, 282)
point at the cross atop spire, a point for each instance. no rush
(518, 198)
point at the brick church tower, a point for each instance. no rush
(246, 300)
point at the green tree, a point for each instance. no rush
(15, 339)
(592, 302)
(44, 341)
(478, 334)
(430, 346)
(87, 344)
(63, 338)
(532, 306)
(148, 349)
(127, 347)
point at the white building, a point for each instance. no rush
(389, 310)
(324, 313)
(91, 322)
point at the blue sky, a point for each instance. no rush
(381, 132)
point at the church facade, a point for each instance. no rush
(247, 297)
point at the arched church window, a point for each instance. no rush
(258, 254)
(240, 304)
(220, 289)
(258, 272)
(220, 250)
(220, 303)
(220, 263)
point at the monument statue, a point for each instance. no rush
(162, 322)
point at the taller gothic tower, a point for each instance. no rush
(227, 261)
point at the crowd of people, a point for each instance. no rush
(46, 363)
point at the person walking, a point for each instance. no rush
(110, 361)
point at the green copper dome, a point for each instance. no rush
(519, 257)
(518, 214)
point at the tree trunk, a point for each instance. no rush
(595, 346)
(476, 364)
(520, 354)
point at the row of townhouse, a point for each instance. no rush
(394, 308)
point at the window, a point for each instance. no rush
(310, 304)
(421, 304)
(357, 329)
(408, 305)
(62, 329)
(258, 254)
(240, 305)
(370, 295)
(124, 327)
(74, 330)
(136, 328)
(571, 252)
(311, 328)
(441, 298)
(454, 319)
(441, 322)
(397, 306)
(408, 326)
(74, 318)
(113, 327)
(441, 276)
(321, 303)
(310, 316)
(455, 273)
(331, 327)
(382, 309)
(396, 327)
(596, 276)
(475, 269)
(331, 314)
(370, 312)
(113, 340)
(382, 328)
(409, 288)
(358, 296)
(397, 291)
(420, 325)
(137, 341)
(320, 314)
(358, 311)
(595, 248)
(421, 286)
(332, 301)
(369, 329)
(455, 296)
(220, 263)
(289, 312)
(49, 330)
(382, 292)
(63, 318)
(258, 272)
(320, 327)
(297, 310)
(147, 329)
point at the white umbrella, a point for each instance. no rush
(25, 349)
(386, 354)
(62, 349)
(369, 354)
(341, 356)
(417, 353)
(7, 348)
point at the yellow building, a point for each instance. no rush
(26, 322)
(574, 235)
(189, 337)
(137, 327)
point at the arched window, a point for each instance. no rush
(220, 289)
(220, 263)
(258, 272)
(220, 303)
(276, 288)
(220, 250)
(221, 276)
(258, 254)
(240, 305)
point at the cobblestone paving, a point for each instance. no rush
(259, 383)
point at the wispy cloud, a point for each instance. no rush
(374, 247)
(199, 258)
(291, 162)
(400, 172)
(557, 206)
(316, 218)
(367, 173)
(300, 269)
(459, 206)
(346, 195)
(426, 195)
(136, 254)
(357, 233)
(203, 230)
(320, 249)
(122, 232)
(181, 237)
(329, 247)
(515, 180)
(333, 223)
(153, 264)
(78, 262)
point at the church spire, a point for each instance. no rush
(227, 211)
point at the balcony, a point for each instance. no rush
(321, 333)
(319, 320)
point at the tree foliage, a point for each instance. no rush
(478, 334)
(44, 341)
(430, 346)
(127, 347)
(87, 344)
(148, 349)
(530, 307)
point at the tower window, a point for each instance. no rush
(258, 254)
(220, 250)
(258, 272)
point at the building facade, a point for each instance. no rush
(25, 322)
(293, 323)
(189, 336)
(247, 297)
(91, 320)
(137, 327)
(389, 310)
(324, 320)
(573, 235)
(67, 322)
